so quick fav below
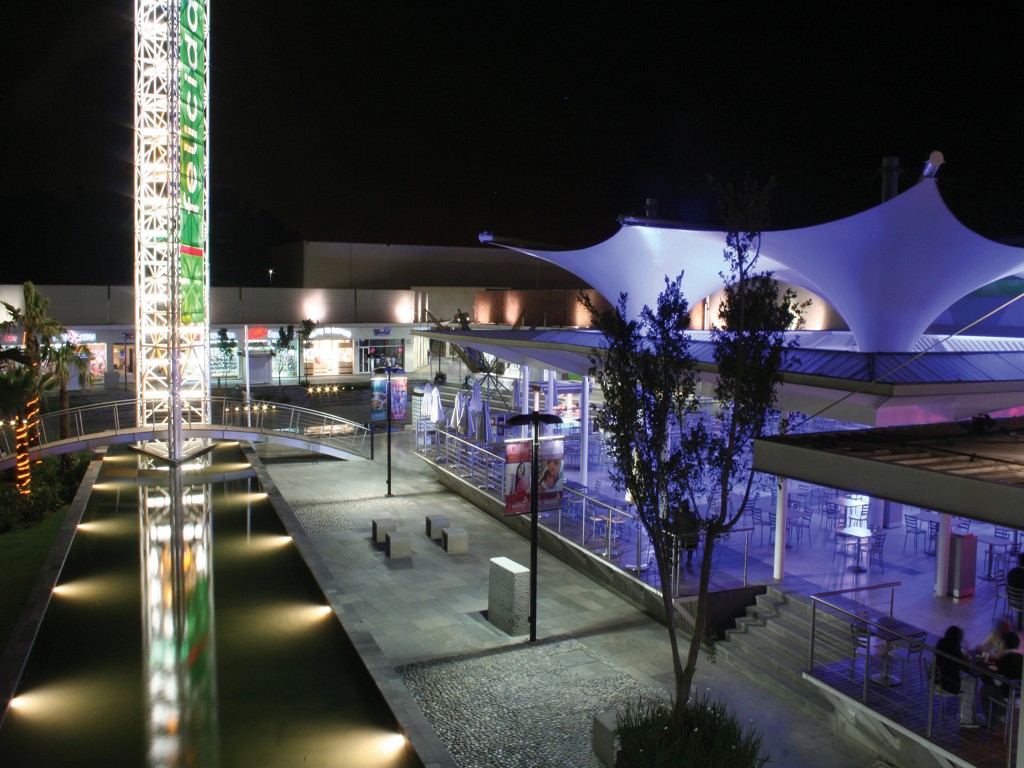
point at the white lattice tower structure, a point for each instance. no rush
(172, 288)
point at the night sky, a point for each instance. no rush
(427, 122)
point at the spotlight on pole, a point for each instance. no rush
(535, 419)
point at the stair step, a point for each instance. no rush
(769, 645)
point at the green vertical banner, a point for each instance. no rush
(192, 108)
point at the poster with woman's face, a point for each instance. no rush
(517, 477)
(552, 474)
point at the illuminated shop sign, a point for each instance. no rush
(381, 331)
(192, 114)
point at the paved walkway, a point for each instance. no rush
(495, 700)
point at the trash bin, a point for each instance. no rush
(963, 564)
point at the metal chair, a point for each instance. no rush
(861, 636)
(1015, 603)
(913, 528)
(905, 651)
(759, 521)
(859, 516)
(844, 546)
(876, 547)
(935, 685)
(830, 515)
(1000, 596)
(1010, 707)
(799, 519)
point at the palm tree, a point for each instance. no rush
(39, 327)
(28, 380)
(67, 361)
(20, 388)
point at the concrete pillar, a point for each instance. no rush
(781, 504)
(584, 430)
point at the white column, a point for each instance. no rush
(245, 345)
(584, 429)
(781, 503)
(524, 394)
(552, 392)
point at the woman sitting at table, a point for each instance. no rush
(1009, 664)
(952, 673)
(993, 644)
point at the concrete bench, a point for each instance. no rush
(381, 527)
(399, 544)
(455, 540)
(508, 596)
(436, 524)
(603, 739)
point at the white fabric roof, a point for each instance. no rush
(888, 271)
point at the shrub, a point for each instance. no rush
(710, 737)
(54, 484)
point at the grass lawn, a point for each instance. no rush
(22, 553)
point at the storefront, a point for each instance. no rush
(330, 351)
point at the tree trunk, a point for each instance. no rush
(700, 621)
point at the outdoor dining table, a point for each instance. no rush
(991, 542)
(889, 629)
(861, 534)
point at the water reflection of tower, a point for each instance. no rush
(179, 650)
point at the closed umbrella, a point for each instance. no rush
(458, 416)
(476, 405)
(436, 407)
(485, 418)
(425, 400)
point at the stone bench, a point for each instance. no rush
(399, 544)
(455, 540)
(603, 738)
(508, 596)
(381, 527)
(436, 524)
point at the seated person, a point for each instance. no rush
(952, 675)
(1015, 576)
(1009, 664)
(993, 642)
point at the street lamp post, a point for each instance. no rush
(387, 370)
(535, 419)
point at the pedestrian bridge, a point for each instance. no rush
(114, 423)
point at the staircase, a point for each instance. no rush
(769, 645)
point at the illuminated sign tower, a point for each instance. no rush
(172, 287)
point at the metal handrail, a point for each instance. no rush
(120, 417)
(477, 465)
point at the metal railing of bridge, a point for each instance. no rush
(119, 417)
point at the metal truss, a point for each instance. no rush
(172, 289)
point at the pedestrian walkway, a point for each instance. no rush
(495, 700)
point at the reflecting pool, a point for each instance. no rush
(186, 630)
